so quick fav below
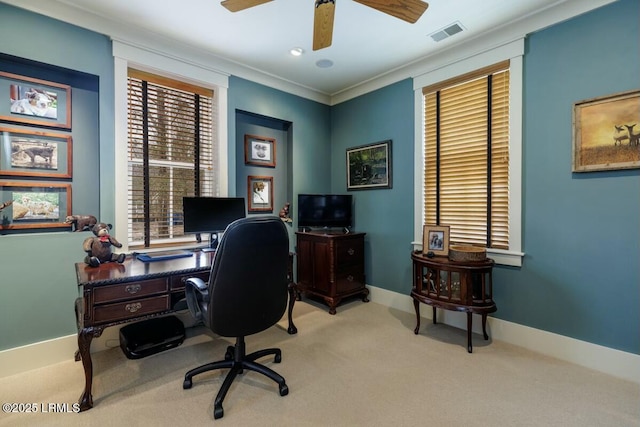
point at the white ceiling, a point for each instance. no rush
(366, 43)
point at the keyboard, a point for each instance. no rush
(163, 256)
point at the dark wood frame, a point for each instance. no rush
(33, 186)
(444, 229)
(355, 162)
(259, 207)
(49, 137)
(249, 159)
(600, 132)
(61, 90)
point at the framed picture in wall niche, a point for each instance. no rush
(35, 153)
(32, 101)
(260, 193)
(606, 133)
(29, 205)
(259, 151)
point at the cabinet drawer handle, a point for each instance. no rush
(350, 278)
(351, 251)
(133, 289)
(132, 308)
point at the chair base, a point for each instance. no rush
(236, 360)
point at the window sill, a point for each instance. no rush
(501, 257)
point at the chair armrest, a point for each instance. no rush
(197, 283)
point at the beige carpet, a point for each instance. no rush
(361, 367)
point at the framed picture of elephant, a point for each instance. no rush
(606, 133)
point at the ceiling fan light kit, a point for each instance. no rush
(407, 10)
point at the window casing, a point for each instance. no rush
(170, 152)
(444, 69)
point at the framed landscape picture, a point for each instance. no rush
(35, 153)
(369, 166)
(34, 102)
(606, 133)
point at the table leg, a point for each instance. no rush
(435, 318)
(292, 300)
(469, 324)
(416, 305)
(484, 326)
(85, 336)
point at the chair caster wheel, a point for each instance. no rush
(278, 358)
(187, 384)
(284, 390)
(218, 412)
(228, 355)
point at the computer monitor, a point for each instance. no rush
(211, 215)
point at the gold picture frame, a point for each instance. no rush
(606, 133)
(435, 238)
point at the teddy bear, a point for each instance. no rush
(98, 248)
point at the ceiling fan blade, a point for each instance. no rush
(323, 24)
(407, 10)
(237, 5)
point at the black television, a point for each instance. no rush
(325, 211)
(211, 215)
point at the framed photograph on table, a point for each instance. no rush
(29, 205)
(606, 133)
(435, 238)
(259, 151)
(35, 153)
(369, 166)
(260, 193)
(34, 102)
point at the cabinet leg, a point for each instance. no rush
(484, 327)
(85, 336)
(469, 325)
(416, 306)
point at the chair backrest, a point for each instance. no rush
(248, 282)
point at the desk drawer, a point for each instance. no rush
(102, 294)
(130, 309)
(177, 282)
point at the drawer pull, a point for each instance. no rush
(350, 278)
(351, 251)
(132, 308)
(133, 289)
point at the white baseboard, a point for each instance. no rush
(603, 359)
(599, 358)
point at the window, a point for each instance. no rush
(170, 153)
(467, 157)
(477, 119)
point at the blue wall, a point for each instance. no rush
(581, 231)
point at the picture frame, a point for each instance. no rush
(435, 238)
(260, 193)
(35, 153)
(32, 205)
(369, 166)
(259, 151)
(606, 133)
(34, 101)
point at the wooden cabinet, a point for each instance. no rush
(331, 266)
(459, 286)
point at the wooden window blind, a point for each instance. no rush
(467, 157)
(171, 154)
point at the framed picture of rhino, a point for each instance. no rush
(35, 153)
(606, 133)
(31, 101)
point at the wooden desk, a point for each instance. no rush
(113, 294)
(451, 285)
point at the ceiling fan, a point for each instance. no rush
(407, 10)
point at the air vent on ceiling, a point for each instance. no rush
(452, 29)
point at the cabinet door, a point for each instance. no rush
(322, 268)
(304, 263)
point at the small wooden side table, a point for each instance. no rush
(450, 285)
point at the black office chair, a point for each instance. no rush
(246, 294)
